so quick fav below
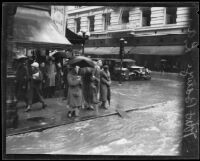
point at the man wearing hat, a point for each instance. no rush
(35, 87)
(105, 83)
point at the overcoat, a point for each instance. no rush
(35, 89)
(51, 70)
(59, 79)
(105, 82)
(22, 76)
(97, 72)
(75, 95)
(44, 76)
(65, 72)
(90, 85)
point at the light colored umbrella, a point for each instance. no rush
(82, 61)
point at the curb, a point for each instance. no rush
(88, 118)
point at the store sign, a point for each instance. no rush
(58, 16)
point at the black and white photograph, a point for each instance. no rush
(100, 80)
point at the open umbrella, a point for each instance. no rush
(60, 54)
(20, 57)
(81, 61)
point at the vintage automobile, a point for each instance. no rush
(129, 70)
(138, 72)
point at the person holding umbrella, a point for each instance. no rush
(90, 82)
(75, 95)
(105, 83)
(88, 79)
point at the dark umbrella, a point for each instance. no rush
(81, 61)
(60, 54)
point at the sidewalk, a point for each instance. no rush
(55, 113)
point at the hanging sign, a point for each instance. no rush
(58, 16)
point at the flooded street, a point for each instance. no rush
(146, 132)
(151, 131)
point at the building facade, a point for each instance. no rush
(152, 33)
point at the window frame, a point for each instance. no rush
(89, 23)
(76, 24)
(141, 17)
(122, 16)
(105, 21)
(165, 16)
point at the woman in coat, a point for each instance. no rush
(105, 83)
(75, 96)
(51, 70)
(35, 87)
(59, 75)
(43, 69)
(65, 72)
(90, 88)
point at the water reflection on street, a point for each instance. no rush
(156, 131)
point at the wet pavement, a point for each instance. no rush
(128, 96)
(153, 125)
(145, 132)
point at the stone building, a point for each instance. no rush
(152, 33)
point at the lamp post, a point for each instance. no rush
(85, 35)
(121, 55)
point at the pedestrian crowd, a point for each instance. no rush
(83, 87)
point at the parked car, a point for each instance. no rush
(129, 70)
(138, 72)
